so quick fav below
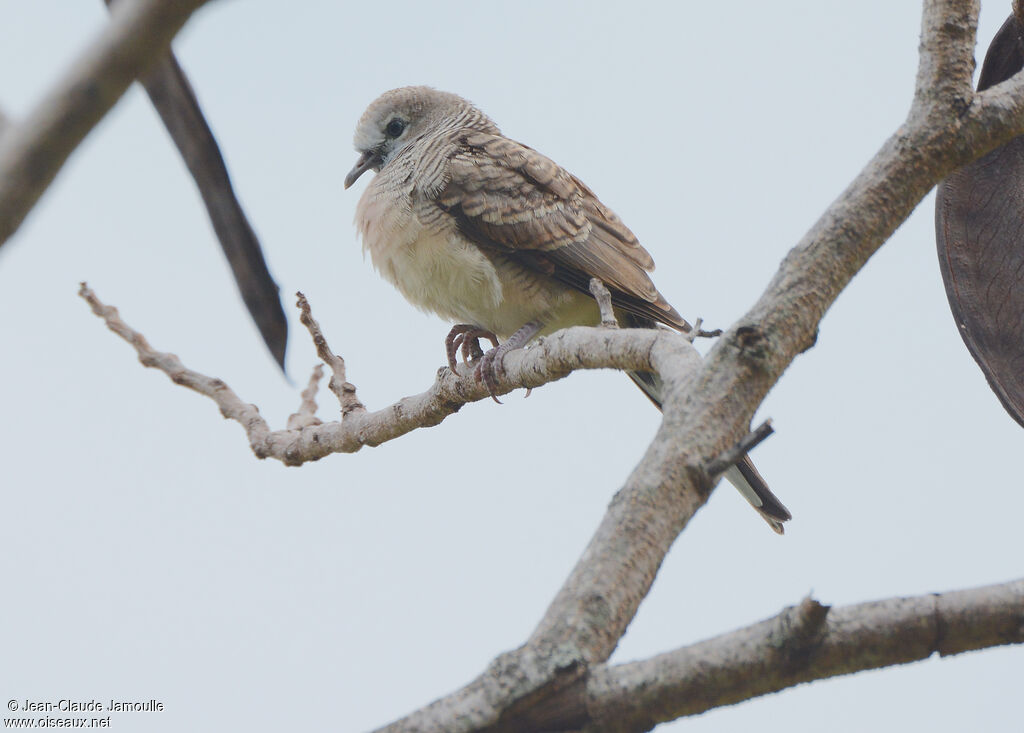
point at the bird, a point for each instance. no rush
(498, 239)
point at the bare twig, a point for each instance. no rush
(345, 391)
(34, 148)
(306, 414)
(231, 407)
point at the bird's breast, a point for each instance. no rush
(427, 259)
(431, 265)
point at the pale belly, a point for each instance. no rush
(440, 272)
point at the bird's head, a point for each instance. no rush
(400, 116)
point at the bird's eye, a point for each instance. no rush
(395, 128)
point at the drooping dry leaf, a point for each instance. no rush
(175, 102)
(172, 96)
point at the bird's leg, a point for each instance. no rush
(486, 370)
(467, 337)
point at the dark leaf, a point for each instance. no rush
(979, 227)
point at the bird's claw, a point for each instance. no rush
(467, 338)
(487, 371)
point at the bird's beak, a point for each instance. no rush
(369, 159)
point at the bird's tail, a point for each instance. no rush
(743, 475)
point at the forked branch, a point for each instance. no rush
(309, 439)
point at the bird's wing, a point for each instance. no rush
(507, 196)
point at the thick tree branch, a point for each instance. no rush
(803, 643)
(34, 148)
(751, 357)
(946, 65)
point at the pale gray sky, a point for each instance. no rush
(147, 554)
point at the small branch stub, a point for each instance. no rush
(747, 443)
(697, 332)
(604, 302)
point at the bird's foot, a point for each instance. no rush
(491, 363)
(466, 337)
